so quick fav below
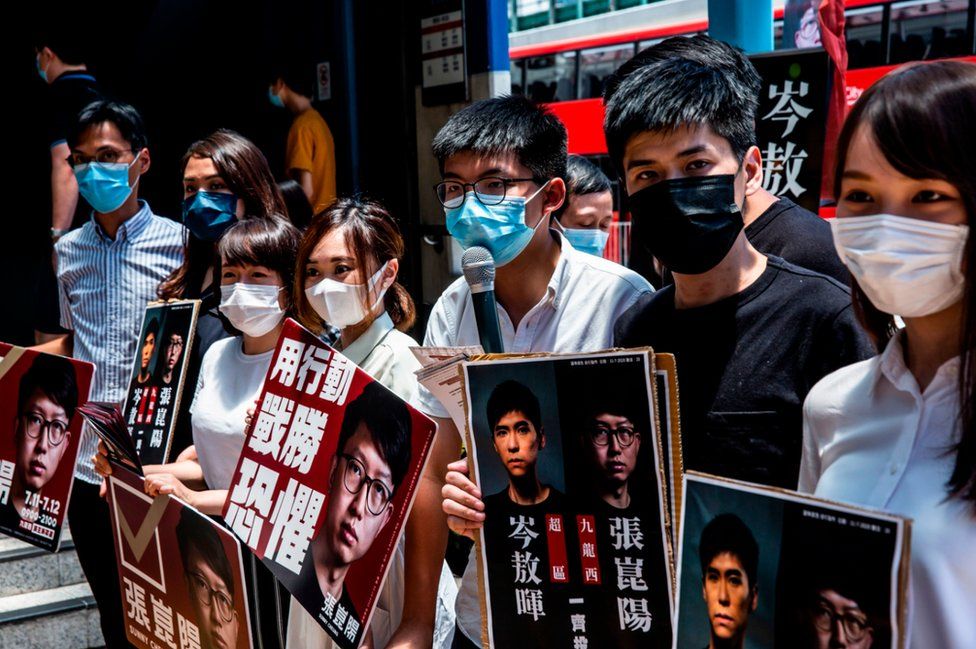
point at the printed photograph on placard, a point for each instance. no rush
(326, 480)
(181, 573)
(573, 550)
(762, 568)
(158, 374)
(39, 435)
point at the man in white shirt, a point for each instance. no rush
(503, 163)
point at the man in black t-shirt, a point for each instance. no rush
(61, 64)
(774, 226)
(751, 334)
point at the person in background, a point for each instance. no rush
(256, 271)
(898, 432)
(503, 161)
(346, 278)
(587, 214)
(310, 151)
(60, 58)
(729, 557)
(299, 209)
(751, 333)
(226, 178)
(107, 271)
(773, 225)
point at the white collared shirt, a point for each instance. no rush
(872, 438)
(583, 300)
(384, 353)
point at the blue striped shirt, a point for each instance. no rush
(104, 286)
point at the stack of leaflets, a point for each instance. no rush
(106, 421)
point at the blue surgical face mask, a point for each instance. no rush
(275, 99)
(208, 214)
(105, 185)
(40, 71)
(499, 228)
(591, 241)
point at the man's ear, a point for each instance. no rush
(542, 437)
(752, 167)
(755, 599)
(554, 195)
(144, 161)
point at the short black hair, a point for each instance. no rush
(55, 377)
(152, 327)
(63, 35)
(512, 396)
(507, 125)
(582, 177)
(125, 117)
(727, 533)
(683, 81)
(270, 242)
(297, 74)
(194, 533)
(389, 424)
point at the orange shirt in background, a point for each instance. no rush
(311, 148)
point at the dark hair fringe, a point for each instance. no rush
(124, 116)
(920, 115)
(55, 377)
(512, 396)
(271, 242)
(728, 533)
(506, 125)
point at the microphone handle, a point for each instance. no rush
(486, 317)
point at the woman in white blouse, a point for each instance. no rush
(898, 432)
(346, 279)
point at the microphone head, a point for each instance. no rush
(479, 269)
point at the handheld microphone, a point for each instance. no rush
(479, 272)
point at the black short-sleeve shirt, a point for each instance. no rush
(68, 94)
(746, 363)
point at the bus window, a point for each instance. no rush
(551, 77)
(863, 34)
(518, 77)
(928, 30)
(599, 63)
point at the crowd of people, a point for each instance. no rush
(793, 372)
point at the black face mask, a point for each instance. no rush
(689, 224)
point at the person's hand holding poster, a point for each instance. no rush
(180, 573)
(38, 441)
(326, 479)
(158, 372)
(573, 550)
(762, 567)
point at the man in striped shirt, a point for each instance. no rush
(107, 271)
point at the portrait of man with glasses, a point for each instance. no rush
(209, 581)
(46, 402)
(610, 438)
(371, 460)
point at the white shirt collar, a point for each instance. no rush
(360, 349)
(895, 370)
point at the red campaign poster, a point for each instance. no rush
(181, 574)
(326, 480)
(39, 435)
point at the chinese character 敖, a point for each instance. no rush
(781, 163)
(525, 566)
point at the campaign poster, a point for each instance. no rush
(791, 121)
(326, 480)
(573, 551)
(181, 574)
(158, 373)
(760, 567)
(39, 436)
(669, 425)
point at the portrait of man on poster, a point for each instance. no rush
(729, 557)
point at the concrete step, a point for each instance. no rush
(25, 568)
(65, 617)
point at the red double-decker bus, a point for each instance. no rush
(565, 64)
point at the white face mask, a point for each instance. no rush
(253, 309)
(906, 267)
(341, 305)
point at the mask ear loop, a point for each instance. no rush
(371, 284)
(544, 217)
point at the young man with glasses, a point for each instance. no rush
(209, 581)
(503, 164)
(172, 353)
(611, 444)
(372, 457)
(46, 401)
(107, 271)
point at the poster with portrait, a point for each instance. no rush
(326, 480)
(40, 431)
(181, 574)
(565, 450)
(158, 373)
(761, 567)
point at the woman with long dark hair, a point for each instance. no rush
(345, 279)
(226, 178)
(898, 432)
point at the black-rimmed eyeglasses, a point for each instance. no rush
(489, 191)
